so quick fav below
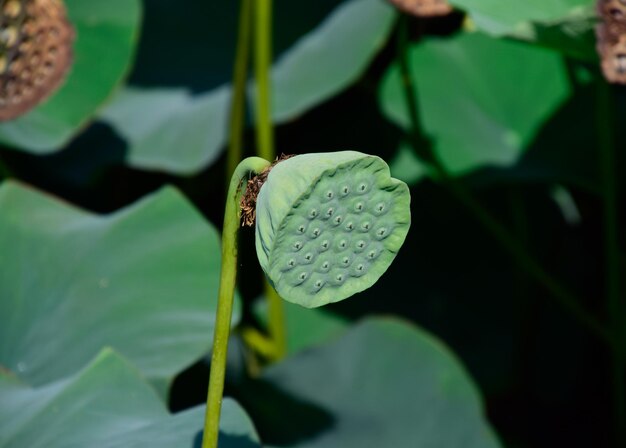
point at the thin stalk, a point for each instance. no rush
(240, 76)
(559, 292)
(228, 275)
(605, 133)
(262, 64)
(259, 341)
(276, 321)
(265, 147)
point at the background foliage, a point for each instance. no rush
(116, 292)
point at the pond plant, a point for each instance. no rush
(328, 226)
(450, 164)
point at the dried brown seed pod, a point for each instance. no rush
(35, 53)
(613, 16)
(424, 8)
(614, 61)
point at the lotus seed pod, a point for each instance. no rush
(35, 53)
(329, 225)
(424, 8)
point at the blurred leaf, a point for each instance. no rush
(107, 405)
(340, 49)
(106, 35)
(572, 35)
(567, 205)
(200, 57)
(384, 384)
(406, 166)
(501, 17)
(171, 131)
(168, 129)
(143, 280)
(561, 152)
(467, 101)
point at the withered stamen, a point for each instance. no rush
(253, 186)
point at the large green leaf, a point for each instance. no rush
(172, 131)
(506, 16)
(481, 99)
(143, 280)
(107, 405)
(330, 58)
(384, 384)
(169, 129)
(107, 32)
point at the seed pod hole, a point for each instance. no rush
(359, 270)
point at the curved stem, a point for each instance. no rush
(605, 130)
(566, 298)
(265, 148)
(226, 294)
(240, 75)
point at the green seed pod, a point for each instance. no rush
(329, 225)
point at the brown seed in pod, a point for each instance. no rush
(35, 53)
(424, 8)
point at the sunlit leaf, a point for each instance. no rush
(172, 131)
(482, 100)
(142, 280)
(107, 405)
(384, 383)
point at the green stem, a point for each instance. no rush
(605, 130)
(240, 76)
(262, 64)
(563, 295)
(265, 146)
(226, 294)
(276, 321)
